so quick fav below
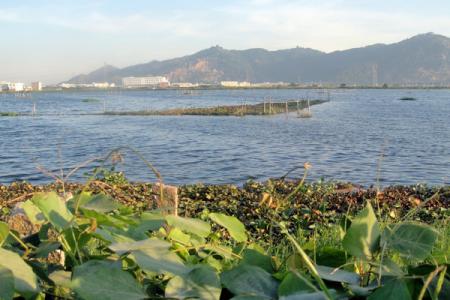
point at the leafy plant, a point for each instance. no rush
(91, 247)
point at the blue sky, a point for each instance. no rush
(53, 40)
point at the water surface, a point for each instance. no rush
(343, 141)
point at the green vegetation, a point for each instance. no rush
(91, 246)
(266, 108)
(8, 114)
(90, 100)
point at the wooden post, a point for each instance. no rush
(264, 107)
(287, 108)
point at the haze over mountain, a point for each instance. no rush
(422, 59)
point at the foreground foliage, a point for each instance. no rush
(92, 247)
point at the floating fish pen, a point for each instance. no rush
(259, 109)
(305, 112)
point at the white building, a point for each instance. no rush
(101, 85)
(235, 84)
(12, 86)
(184, 84)
(36, 86)
(151, 81)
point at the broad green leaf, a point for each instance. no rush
(61, 278)
(4, 232)
(256, 258)
(103, 219)
(159, 262)
(200, 283)
(249, 297)
(250, 281)
(222, 250)
(337, 275)
(152, 255)
(179, 236)
(150, 221)
(102, 280)
(362, 238)
(388, 268)
(152, 244)
(292, 284)
(6, 283)
(361, 291)
(45, 248)
(232, 224)
(411, 240)
(306, 296)
(109, 234)
(33, 213)
(395, 289)
(330, 257)
(189, 225)
(100, 203)
(25, 281)
(54, 209)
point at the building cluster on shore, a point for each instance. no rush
(95, 85)
(162, 82)
(7, 86)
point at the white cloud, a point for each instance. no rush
(8, 16)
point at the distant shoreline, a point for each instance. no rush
(212, 88)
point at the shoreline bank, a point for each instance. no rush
(257, 204)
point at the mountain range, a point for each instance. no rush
(422, 59)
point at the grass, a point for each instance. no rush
(90, 100)
(8, 114)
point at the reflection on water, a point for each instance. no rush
(343, 140)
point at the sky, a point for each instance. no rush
(53, 40)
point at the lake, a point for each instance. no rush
(354, 137)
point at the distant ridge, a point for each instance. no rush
(422, 59)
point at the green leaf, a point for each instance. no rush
(100, 203)
(152, 244)
(25, 280)
(201, 283)
(256, 258)
(232, 224)
(109, 234)
(159, 262)
(194, 226)
(4, 232)
(33, 213)
(6, 283)
(292, 284)
(45, 248)
(337, 275)
(250, 281)
(153, 256)
(61, 278)
(102, 280)
(54, 209)
(362, 238)
(150, 221)
(250, 297)
(330, 256)
(179, 236)
(411, 240)
(306, 296)
(394, 289)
